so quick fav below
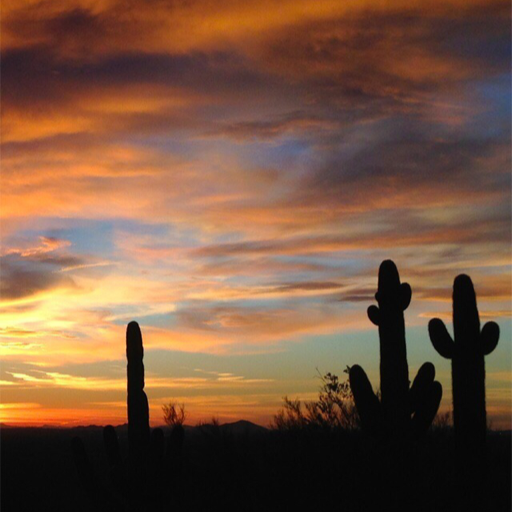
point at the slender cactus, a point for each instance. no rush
(467, 351)
(401, 410)
(138, 408)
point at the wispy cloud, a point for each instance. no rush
(42, 379)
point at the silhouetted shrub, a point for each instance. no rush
(174, 414)
(334, 408)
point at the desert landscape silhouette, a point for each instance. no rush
(255, 255)
(395, 458)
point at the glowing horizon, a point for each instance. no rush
(230, 175)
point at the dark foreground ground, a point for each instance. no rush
(243, 467)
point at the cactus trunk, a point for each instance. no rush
(394, 371)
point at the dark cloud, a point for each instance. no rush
(361, 294)
(292, 123)
(307, 286)
(256, 322)
(43, 149)
(10, 332)
(35, 268)
(74, 31)
(367, 57)
(493, 289)
(260, 266)
(414, 232)
(409, 162)
(36, 75)
(22, 278)
(380, 59)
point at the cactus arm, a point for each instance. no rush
(405, 295)
(425, 396)
(367, 403)
(440, 338)
(489, 337)
(427, 409)
(421, 386)
(374, 315)
(138, 408)
(405, 292)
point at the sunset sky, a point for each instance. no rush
(230, 174)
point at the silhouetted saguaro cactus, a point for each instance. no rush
(401, 410)
(136, 483)
(467, 352)
(138, 408)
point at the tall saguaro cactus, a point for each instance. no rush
(138, 408)
(401, 410)
(136, 482)
(393, 298)
(467, 351)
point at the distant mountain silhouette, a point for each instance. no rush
(243, 427)
(235, 427)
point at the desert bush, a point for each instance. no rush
(334, 408)
(174, 414)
